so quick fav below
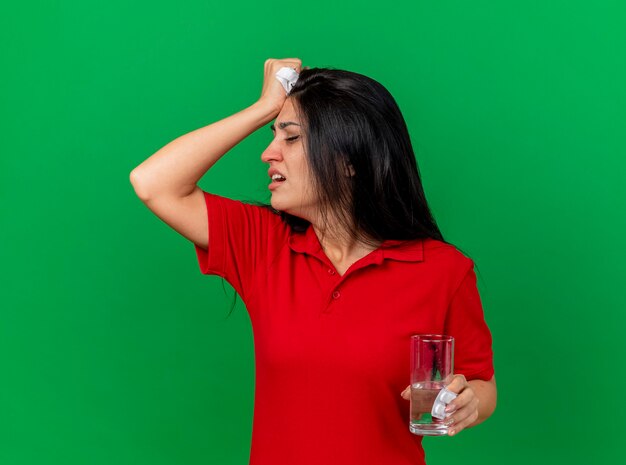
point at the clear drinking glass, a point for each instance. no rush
(432, 365)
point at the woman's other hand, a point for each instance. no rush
(464, 408)
(273, 93)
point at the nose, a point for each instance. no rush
(271, 153)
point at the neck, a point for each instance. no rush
(339, 246)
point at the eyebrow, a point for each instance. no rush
(283, 125)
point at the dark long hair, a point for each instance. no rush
(352, 122)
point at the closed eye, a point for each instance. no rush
(292, 138)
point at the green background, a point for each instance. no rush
(115, 349)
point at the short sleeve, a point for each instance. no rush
(242, 239)
(473, 355)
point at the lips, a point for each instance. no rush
(276, 175)
(277, 178)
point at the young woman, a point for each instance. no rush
(336, 274)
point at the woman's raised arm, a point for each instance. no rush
(167, 181)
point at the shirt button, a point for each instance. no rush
(336, 295)
(331, 271)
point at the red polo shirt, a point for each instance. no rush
(332, 352)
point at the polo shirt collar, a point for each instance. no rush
(411, 250)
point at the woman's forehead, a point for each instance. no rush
(284, 120)
(287, 112)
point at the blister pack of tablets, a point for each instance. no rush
(443, 398)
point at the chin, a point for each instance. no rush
(282, 207)
(287, 207)
(278, 205)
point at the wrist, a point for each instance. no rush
(264, 111)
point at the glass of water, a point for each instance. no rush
(432, 366)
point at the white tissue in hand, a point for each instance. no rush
(287, 77)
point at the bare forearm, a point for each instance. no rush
(176, 168)
(487, 394)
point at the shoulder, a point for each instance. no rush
(246, 215)
(259, 209)
(446, 255)
(450, 266)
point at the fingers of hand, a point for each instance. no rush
(462, 406)
(406, 394)
(275, 64)
(457, 384)
(462, 417)
(464, 398)
(272, 92)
